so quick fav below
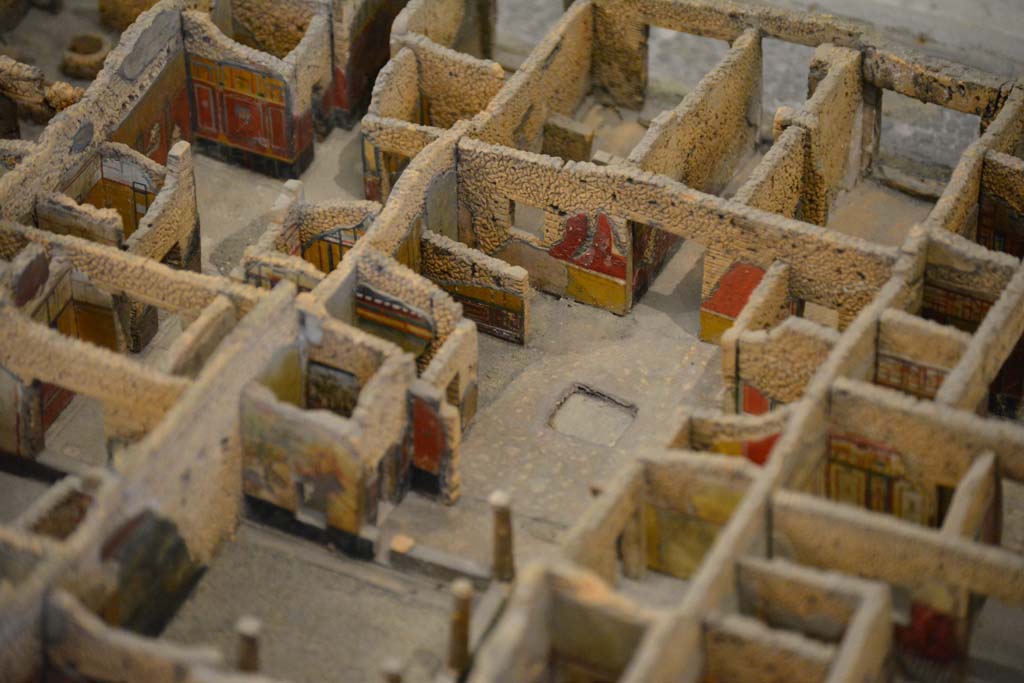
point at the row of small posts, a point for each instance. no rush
(502, 569)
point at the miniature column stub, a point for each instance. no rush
(391, 670)
(458, 643)
(248, 629)
(503, 563)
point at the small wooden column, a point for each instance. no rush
(391, 671)
(503, 566)
(458, 642)
(248, 629)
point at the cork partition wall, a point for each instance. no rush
(464, 376)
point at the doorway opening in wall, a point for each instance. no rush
(677, 61)
(654, 589)
(520, 26)
(667, 273)
(823, 315)
(921, 144)
(1006, 392)
(785, 69)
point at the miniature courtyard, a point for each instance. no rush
(606, 327)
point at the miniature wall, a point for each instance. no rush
(961, 279)
(305, 241)
(392, 129)
(422, 89)
(678, 143)
(200, 339)
(453, 85)
(493, 294)
(374, 293)
(992, 360)
(443, 404)
(915, 355)
(830, 117)
(161, 117)
(1000, 204)
(326, 231)
(117, 178)
(146, 208)
(887, 463)
(328, 469)
(748, 436)
(82, 327)
(578, 187)
(275, 28)
(553, 80)
(399, 306)
(252, 107)
(775, 366)
(423, 232)
(169, 230)
(776, 184)
(768, 355)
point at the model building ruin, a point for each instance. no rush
(340, 341)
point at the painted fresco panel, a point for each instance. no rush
(872, 476)
(913, 378)
(950, 307)
(386, 316)
(593, 243)
(496, 312)
(206, 109)
(1000, 227)
(754, 402)
(429, 443)
(243, 121)
(651, 249)
(331, 389)
(291, 462)
(677, 541)
(96, 324)
(161, 117)
(246, 110)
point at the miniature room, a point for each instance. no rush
(304, 420)
(305, 240)
(552, 613)
(648, 530)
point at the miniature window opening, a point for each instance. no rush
(1006, 392)
(527, 219)
(784, 79)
